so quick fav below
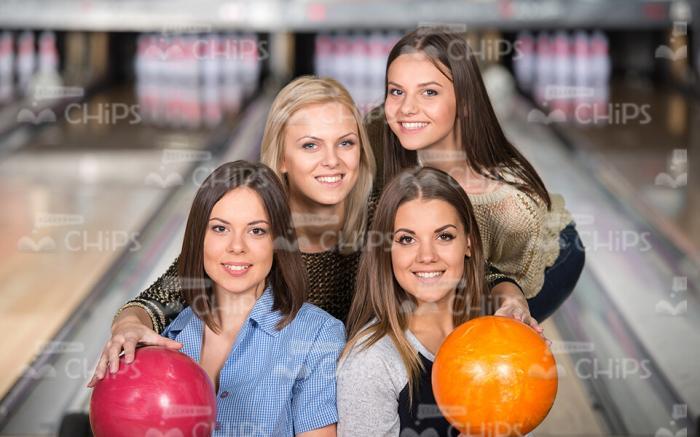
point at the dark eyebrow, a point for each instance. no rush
(440, 229)
(408, 231)
(249, 224)
(419, 85)
(221, 220)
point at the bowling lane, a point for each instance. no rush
(621, 326)
(574, 413)
(76, 198)
(646, 150)
(55, 384)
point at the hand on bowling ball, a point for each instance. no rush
(126, 335)
(512, 303)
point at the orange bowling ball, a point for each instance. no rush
(494, 376)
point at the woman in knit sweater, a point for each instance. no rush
(439, 115)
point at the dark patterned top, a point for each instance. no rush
(331, 284)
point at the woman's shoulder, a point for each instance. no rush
(313, 319)
(312, 333)
(508, 198)
(382, 351)
(185, 317)
(379, 361)
(316, 315)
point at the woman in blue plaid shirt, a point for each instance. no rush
(271, 356)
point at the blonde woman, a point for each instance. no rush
(315, 142)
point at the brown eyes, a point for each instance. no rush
(428, 92)
(407, 239)
(257, 231)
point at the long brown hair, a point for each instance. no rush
(287, 276)
(380, 306)
(486, 147)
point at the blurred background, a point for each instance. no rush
(112, 112)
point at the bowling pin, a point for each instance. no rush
(563, 72)
(233, 83)
(377, 67)
(524, 60)
(7, 60)
(26, 61)
(323, 55)
(600, 73)
(543, 67)
(250, 64)
(211, 65)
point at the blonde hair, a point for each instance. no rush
(309, 90)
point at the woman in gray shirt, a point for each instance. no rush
(424, 277)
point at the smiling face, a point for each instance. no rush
(321, 154)
(238, 244)
(428, 249)
(420, 105)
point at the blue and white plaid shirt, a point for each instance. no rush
(273, 383)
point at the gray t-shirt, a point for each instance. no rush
(370, 382)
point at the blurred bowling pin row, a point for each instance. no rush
(194, 80)
(358, 61)
(565, 73)
(22, 61)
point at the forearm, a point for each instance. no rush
(162, 301)
(326, 431)
(506, 290)
(502, 287)
(132, 314)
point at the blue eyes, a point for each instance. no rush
(344, 144)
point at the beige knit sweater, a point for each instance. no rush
(520, 236)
